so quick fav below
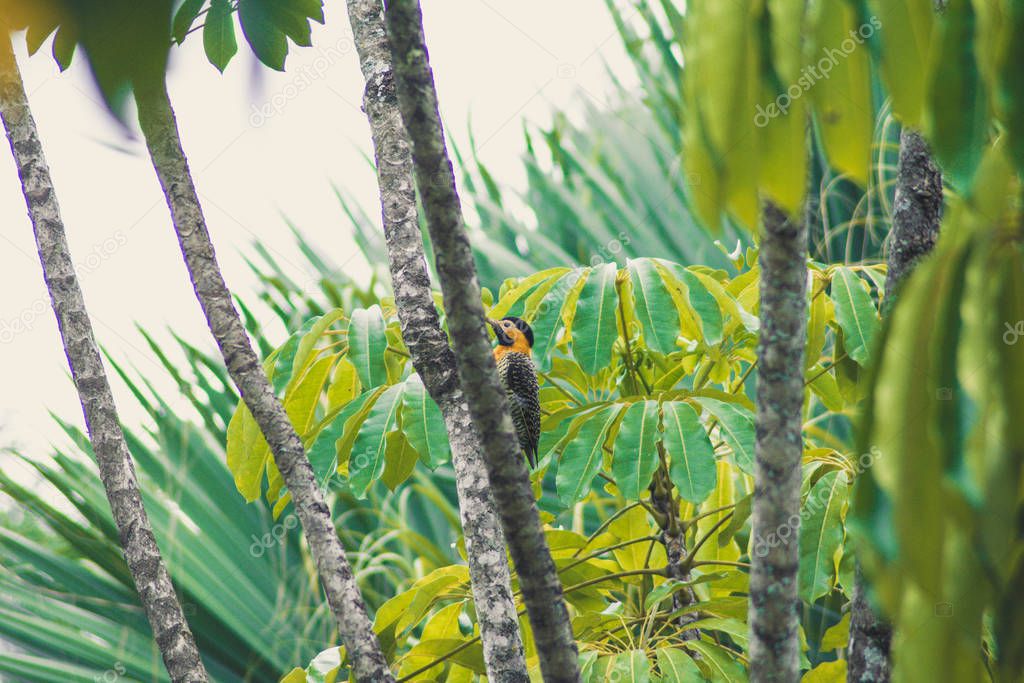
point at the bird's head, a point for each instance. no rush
(513, 333)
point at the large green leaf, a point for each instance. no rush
(582, 456)
(219, 34)
(905, 28)
(692, 294)
(635, 455)
(547, 318)
(654, 306)
(631, 666)
(855, 313)
(677, 666)
(366, 462)
(737, 427)
(367, 344)
(594, 330)
(692, 457)
(821, 535)
(423, 424)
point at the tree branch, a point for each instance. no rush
(113, 459)
(430, 353)
(488, 405)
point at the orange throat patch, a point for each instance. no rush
(519, 345)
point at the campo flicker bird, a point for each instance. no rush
(515, 367)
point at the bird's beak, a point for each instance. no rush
(495, 325)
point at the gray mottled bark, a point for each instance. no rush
(153, 583)
(160, 130)
(774, 615)
(917, 211)
(431, 355)
(917, 215)
(488, 405)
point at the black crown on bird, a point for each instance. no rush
(501, 330)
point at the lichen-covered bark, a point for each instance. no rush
(431, 355)
(773, 611)
(488, 405)
(917, 215)
(917, 210)
(117, 472)
(160, 130)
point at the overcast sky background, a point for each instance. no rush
(262, 146)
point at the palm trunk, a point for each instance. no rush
(917, 214)
(488, 405)
(160, 130)
(431, 355)
(153, 583)
(774, 606)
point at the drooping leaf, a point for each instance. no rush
(423, 424)
(367, 343)
(654, 306)
(184, 18)
(855, 313)
(697, 298)
(595, 328)
(635, 455)
(821, 535)
(219, 34)
(399, 460)
(905, 28)
(547, 319)
(582, 456)
(692, 457)
(677, 666)
(366, 462)
(264, 36)
(737, 427)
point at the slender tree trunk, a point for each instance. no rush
(774, 606)
(160, 130)
(431, 355)
(917, 214)
(153, 583)
(488, 405)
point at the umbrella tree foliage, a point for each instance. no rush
(646, 371)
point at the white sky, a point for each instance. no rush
(496, 63)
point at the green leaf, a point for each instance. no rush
(547, 320)
(595, 330)
(692, 457)
(654, 306)
(262, 33)
(63, 48)
(855, 313)
(677, 666)
(821, 535)
(697, 297)
(631, 666)
(635, 455)
(827, 672)
(959, 104)
(367, 343)
(843, 103)
(336, 433)
(720, 662)
(837, 637)
(184, 18)
(366, 462)
(399, 460)
(905, 29)
(737, 427)
(423, 424)
(219, 34)
(582, 457)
